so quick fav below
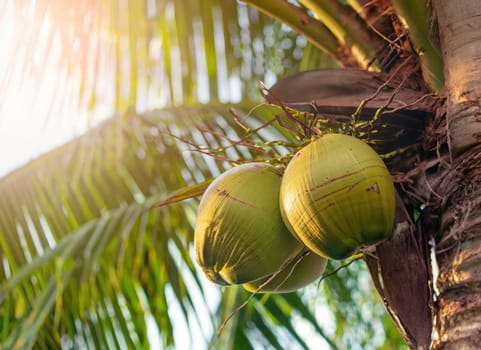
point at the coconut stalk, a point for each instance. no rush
(313, 30)
(298, 273)
(348, 27)
(416, 18)
(337, 94)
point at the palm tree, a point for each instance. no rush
(89, 260)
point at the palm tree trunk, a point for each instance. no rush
(458, 318)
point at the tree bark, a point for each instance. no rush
(459, 24)
(458, 248)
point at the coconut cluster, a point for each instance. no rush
(274, 232)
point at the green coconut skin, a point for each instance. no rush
(337, 195)
(239, 233)
(295, 275)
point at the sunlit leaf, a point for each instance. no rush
(185, 193)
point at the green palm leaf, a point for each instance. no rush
(128, 248)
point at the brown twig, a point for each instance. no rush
(343, 266)
(266, 282)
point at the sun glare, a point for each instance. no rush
(40, 106)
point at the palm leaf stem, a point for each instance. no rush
(312, 29)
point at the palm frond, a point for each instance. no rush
(87, 259)
(70, 65)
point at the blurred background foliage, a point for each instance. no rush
(144, 90)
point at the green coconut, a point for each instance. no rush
(239, 233)
(298, 273)
(337, 195)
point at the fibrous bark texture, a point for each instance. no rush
(459, 242)
(459, 256)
